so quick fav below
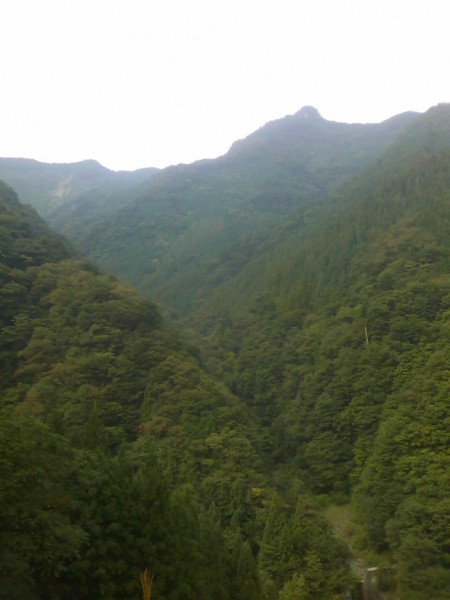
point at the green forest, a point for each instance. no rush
(265, 414)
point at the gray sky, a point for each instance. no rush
(134, 83)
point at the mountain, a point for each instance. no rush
(193, 226)
(119, 451)
(310, 267)
(72, 194)
(78, 518)
(336, 336)
(311, 247)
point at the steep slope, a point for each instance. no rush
(329, 324)
(120, 452)
(77, 353)
(192, 227)
(70, 195)
(337, 338)
(314, 245)
(78, 344)
(25, 241)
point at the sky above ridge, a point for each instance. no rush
(141, 83)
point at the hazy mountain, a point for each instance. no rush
(337, 337)
(70, 194)
(193, 226)
(331, 218)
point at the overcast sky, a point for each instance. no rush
(134, 83)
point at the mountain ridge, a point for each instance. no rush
(316, 292)
(286, 164)
(48, 186)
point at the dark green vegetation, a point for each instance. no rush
(365, 417)
(311, 267)
(119, 452)
(193, 227)
(70, 196)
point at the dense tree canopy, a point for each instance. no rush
(315, 296)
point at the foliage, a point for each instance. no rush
(80, 191)
(322, 315)
(298, 551)
(336, 338)
(78, 524)
(82, 511)
(194, 227)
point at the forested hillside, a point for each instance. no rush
(193, 227)
(307, 272)
(70, 195)
(120, 453)
(337, 338)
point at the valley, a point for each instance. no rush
(233, 373)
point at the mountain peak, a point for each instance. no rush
(308, 112)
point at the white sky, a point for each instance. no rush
(134, 83)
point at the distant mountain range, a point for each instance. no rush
(62, 192)
(184, 228)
